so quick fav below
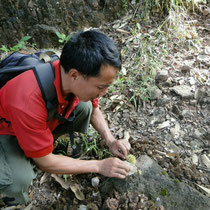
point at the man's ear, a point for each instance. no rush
(73, 74)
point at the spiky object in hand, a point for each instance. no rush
(131, 159)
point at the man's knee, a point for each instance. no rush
(21, 181)
(19, 188)
(84, 108)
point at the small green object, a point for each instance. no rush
(176, 181)
(164, 172)
(164, 192)
(131, 159)
(139, 172)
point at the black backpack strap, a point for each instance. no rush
(45, 76)
(45, 79)
(69, 122)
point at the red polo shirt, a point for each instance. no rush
(21, 103)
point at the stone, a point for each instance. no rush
(160, 188)
(164, 124)
(185, 69)
(95, 181)
(203, 58)
(175, 131)
(183, 90)
(207, 50)
(161, 76)
(163, 101)
(176, 110)
(156, 93)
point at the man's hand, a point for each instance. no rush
(120, 148)
(113, 167)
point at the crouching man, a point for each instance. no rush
(88, 65)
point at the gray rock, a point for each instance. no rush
(176, 110)
(163, 101)
(156, 93)
(207, 50)
(185, 69)
(161, 76)
(95, 181)
(203, 58)
(159, 187)
(183, 90)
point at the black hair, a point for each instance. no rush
(88, 51)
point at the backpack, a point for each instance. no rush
(17, 63)
(40, 62)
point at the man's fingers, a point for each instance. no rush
(121, 173)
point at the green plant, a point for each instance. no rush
(20, 45)
(164, 192)
(62, 38)
(4, 48)
(125, 4)
(90, 145)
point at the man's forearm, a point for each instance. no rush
(60, 164)
(99, 123)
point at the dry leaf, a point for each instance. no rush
(122, 31)
(205, 189)
(44, 178)
(61, 181)
(76, 189)
(194, 159)
(116, 108)
(117, 98)
(205, 160)
(126, 135)
(124, 71)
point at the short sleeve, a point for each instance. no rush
(95, 102)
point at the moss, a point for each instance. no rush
(164, 172)
(164, 192)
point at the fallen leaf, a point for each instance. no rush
(116, 108)
(61, 181)
(205, 189)
(205, 160)
(126, 135)
(76, 189)
(124, 71)
(44, 178)
(122, 31)
(194, 159)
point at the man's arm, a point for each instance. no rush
(117, 147)
(59, 164)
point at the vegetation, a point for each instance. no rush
(146, 52)
(63, 38)
(20, 45)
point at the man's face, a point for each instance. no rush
(88, 88)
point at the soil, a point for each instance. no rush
(173, 130)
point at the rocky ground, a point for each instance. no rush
(171, 125)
